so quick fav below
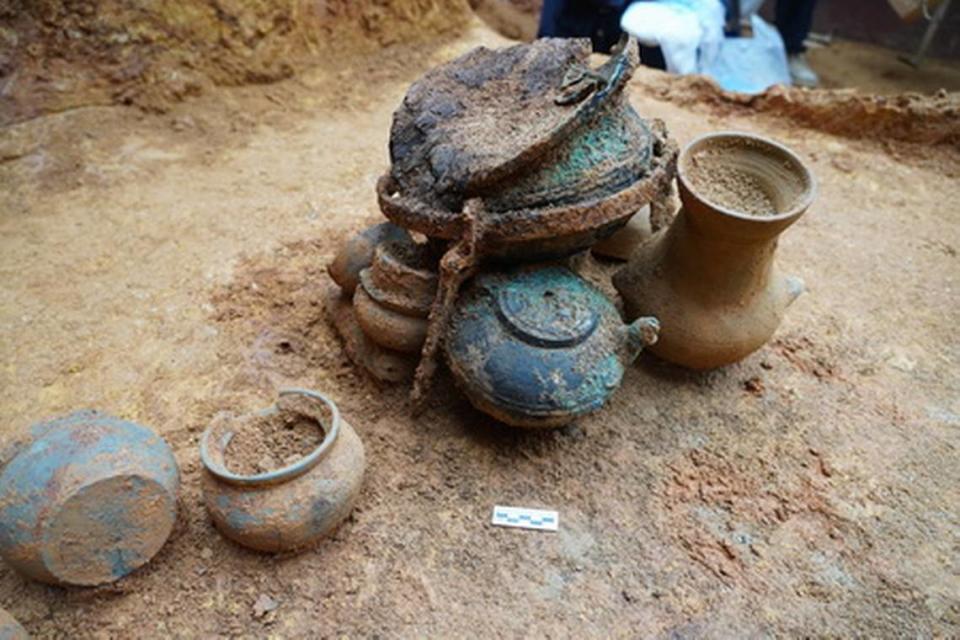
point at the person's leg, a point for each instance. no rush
(549, 19)
(794, 19)
(606, 30)
(653, 57)
(598, 20)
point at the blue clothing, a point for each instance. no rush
(794, 19)
(598, 20)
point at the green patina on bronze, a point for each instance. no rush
(521, 154)
(545, 149)
(86, 499)
(540, 346)
(595, 160)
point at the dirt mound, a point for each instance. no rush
(517, 19)
(56, 56)
(908, 117)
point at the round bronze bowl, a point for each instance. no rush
(537, 234)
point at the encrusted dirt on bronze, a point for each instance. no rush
(577, 163)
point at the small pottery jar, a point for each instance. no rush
(540, 347)
(711, 277)
(294, 506)
(356, 253)
(395, 295)
(86, 499)
(10, 629)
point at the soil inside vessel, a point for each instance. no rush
(265, 443)
(727, 186)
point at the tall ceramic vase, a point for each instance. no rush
(711, 277)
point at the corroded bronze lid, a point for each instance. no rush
(494, 115)
(547, 149)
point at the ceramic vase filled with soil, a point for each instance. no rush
(711, 277)
(282, 478)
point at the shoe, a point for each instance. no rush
(800, 71)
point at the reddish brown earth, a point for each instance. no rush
(56, 56)
(263, 443)
(517, 19)
(167, 267)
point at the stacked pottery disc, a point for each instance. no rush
(394, 297)
(356, 254)
(386, 286)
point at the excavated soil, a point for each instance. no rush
(517, 19)
(266, 443)
(168, 267)
(56, 56)
(907, 117)
(727, 186)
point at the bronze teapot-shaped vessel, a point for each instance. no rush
(540, 347)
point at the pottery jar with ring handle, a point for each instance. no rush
(292, 507)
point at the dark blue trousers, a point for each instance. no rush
(598, 20)
(794, 19)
